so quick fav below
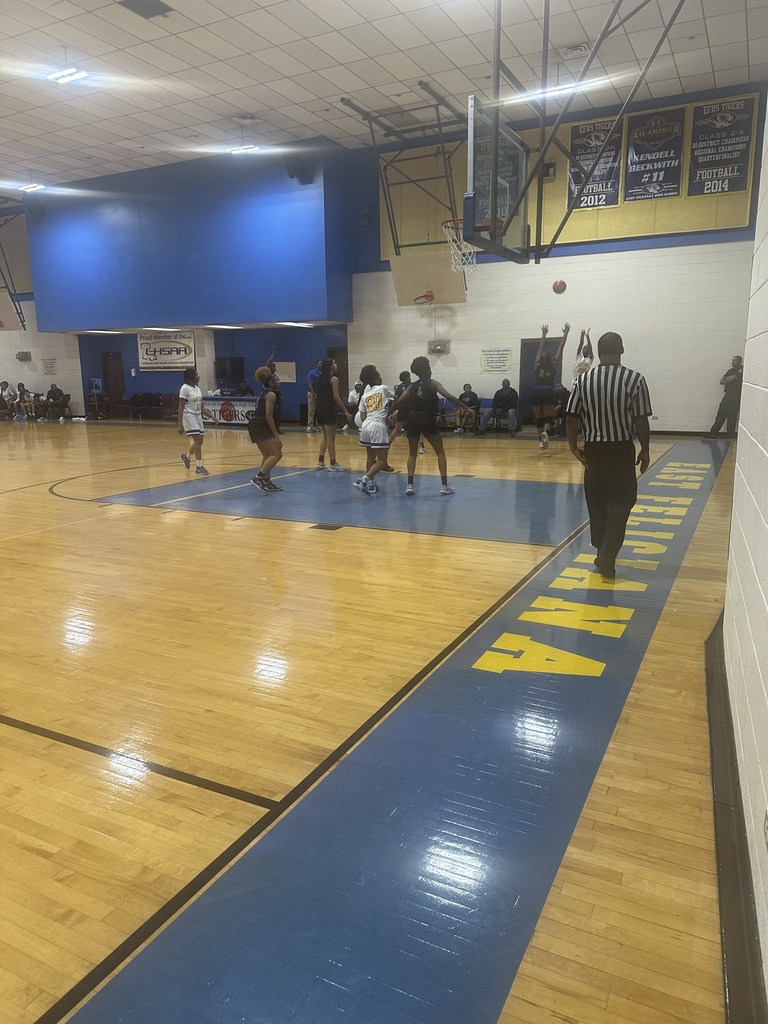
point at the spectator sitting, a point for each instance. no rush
(54, 402)
(10, 399)
(353, 400)
(27, 401)
(504, 404)
(466, 413)
(244, 391)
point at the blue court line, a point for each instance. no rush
(405, 887)
(519, 511)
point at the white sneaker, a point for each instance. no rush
(61, 419)
(334, 467)
(319, 465)
(544, 441)
(447, 489)
(422, 450)
(345, 429)
(409, 491)
(309, 430)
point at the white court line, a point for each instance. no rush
(222, 490)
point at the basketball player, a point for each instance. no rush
(422, 398)
(263, 430)
(374, 434)
(584, 357)
(190, 420)
(543, 394)
(329, 405)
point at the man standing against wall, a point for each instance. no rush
(728, 412)
(312, 396)
(612, 404)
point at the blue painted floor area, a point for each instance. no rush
(405, 887)
(520, 511)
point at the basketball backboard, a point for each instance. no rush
(497, 167)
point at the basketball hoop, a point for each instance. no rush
(424, 303)
(463, 255)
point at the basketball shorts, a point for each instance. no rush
(192, 424)
(418, 423)
(326, 415)
(543, 394)
(374, 434)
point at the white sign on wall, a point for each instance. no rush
(166, 350)
(496, 360)
(49, 367)
(286, 372)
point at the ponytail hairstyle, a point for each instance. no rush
(326, 370)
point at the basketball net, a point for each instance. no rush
(463, 255)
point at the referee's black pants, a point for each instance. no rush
(610, 487)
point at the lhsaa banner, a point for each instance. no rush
(166, 350)
(654, 155)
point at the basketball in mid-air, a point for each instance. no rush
(559, 287)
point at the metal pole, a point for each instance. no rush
(542, 132)
(493, 213)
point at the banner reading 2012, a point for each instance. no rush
(603, 187)
(721, 146)
(654, 155)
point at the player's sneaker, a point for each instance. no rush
(273, 486)
(336, 468)
(447, 489)
(185, 459)
(373, 487)
(319, 464)
(422, 450)
(260, 482)
(362, 486)
(388, 469)
(544, 441)
(201, 471)
(409, 491)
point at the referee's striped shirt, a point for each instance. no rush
(607, 399)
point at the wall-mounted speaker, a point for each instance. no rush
(438, 347)
(24, 357)
(296, 168)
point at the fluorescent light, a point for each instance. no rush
(223, 327)
(60, 74)
(30, 188)
(249, 148)
(72, 78)
(102, 332)
(291, 323)
(170, 330)
(558, 90)
(68, 75)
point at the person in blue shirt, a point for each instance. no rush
(312, 397)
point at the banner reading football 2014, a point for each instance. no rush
(166, 350)
(721, 146)
(654, 155)
(603, 187)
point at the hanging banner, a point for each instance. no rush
(654, 155)
(166, 350)
(603, 187)
(722, 141)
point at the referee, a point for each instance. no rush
(612, 404)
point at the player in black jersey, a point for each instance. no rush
(543, 394)
(263, 429)
(421, 399)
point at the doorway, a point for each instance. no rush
(114, 379)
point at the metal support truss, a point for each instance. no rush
(6, 277)
(548, 138)
(393, 171)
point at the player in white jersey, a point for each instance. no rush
(190, 420)
(374, 433)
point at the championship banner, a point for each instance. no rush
(654, 155)
(166, 350)
(603, 187)
(721, 146)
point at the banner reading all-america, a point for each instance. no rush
(721, 146)
(654, 155)
(602, 189)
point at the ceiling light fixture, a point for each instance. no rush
(245, 147)
(558, 90)
(68, 74)
(33, 187)
(223, 327)
(291, 323)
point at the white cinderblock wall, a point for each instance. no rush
(681, 311)
(61, 347)
(746, 608)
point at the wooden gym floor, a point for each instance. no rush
(177, 678)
